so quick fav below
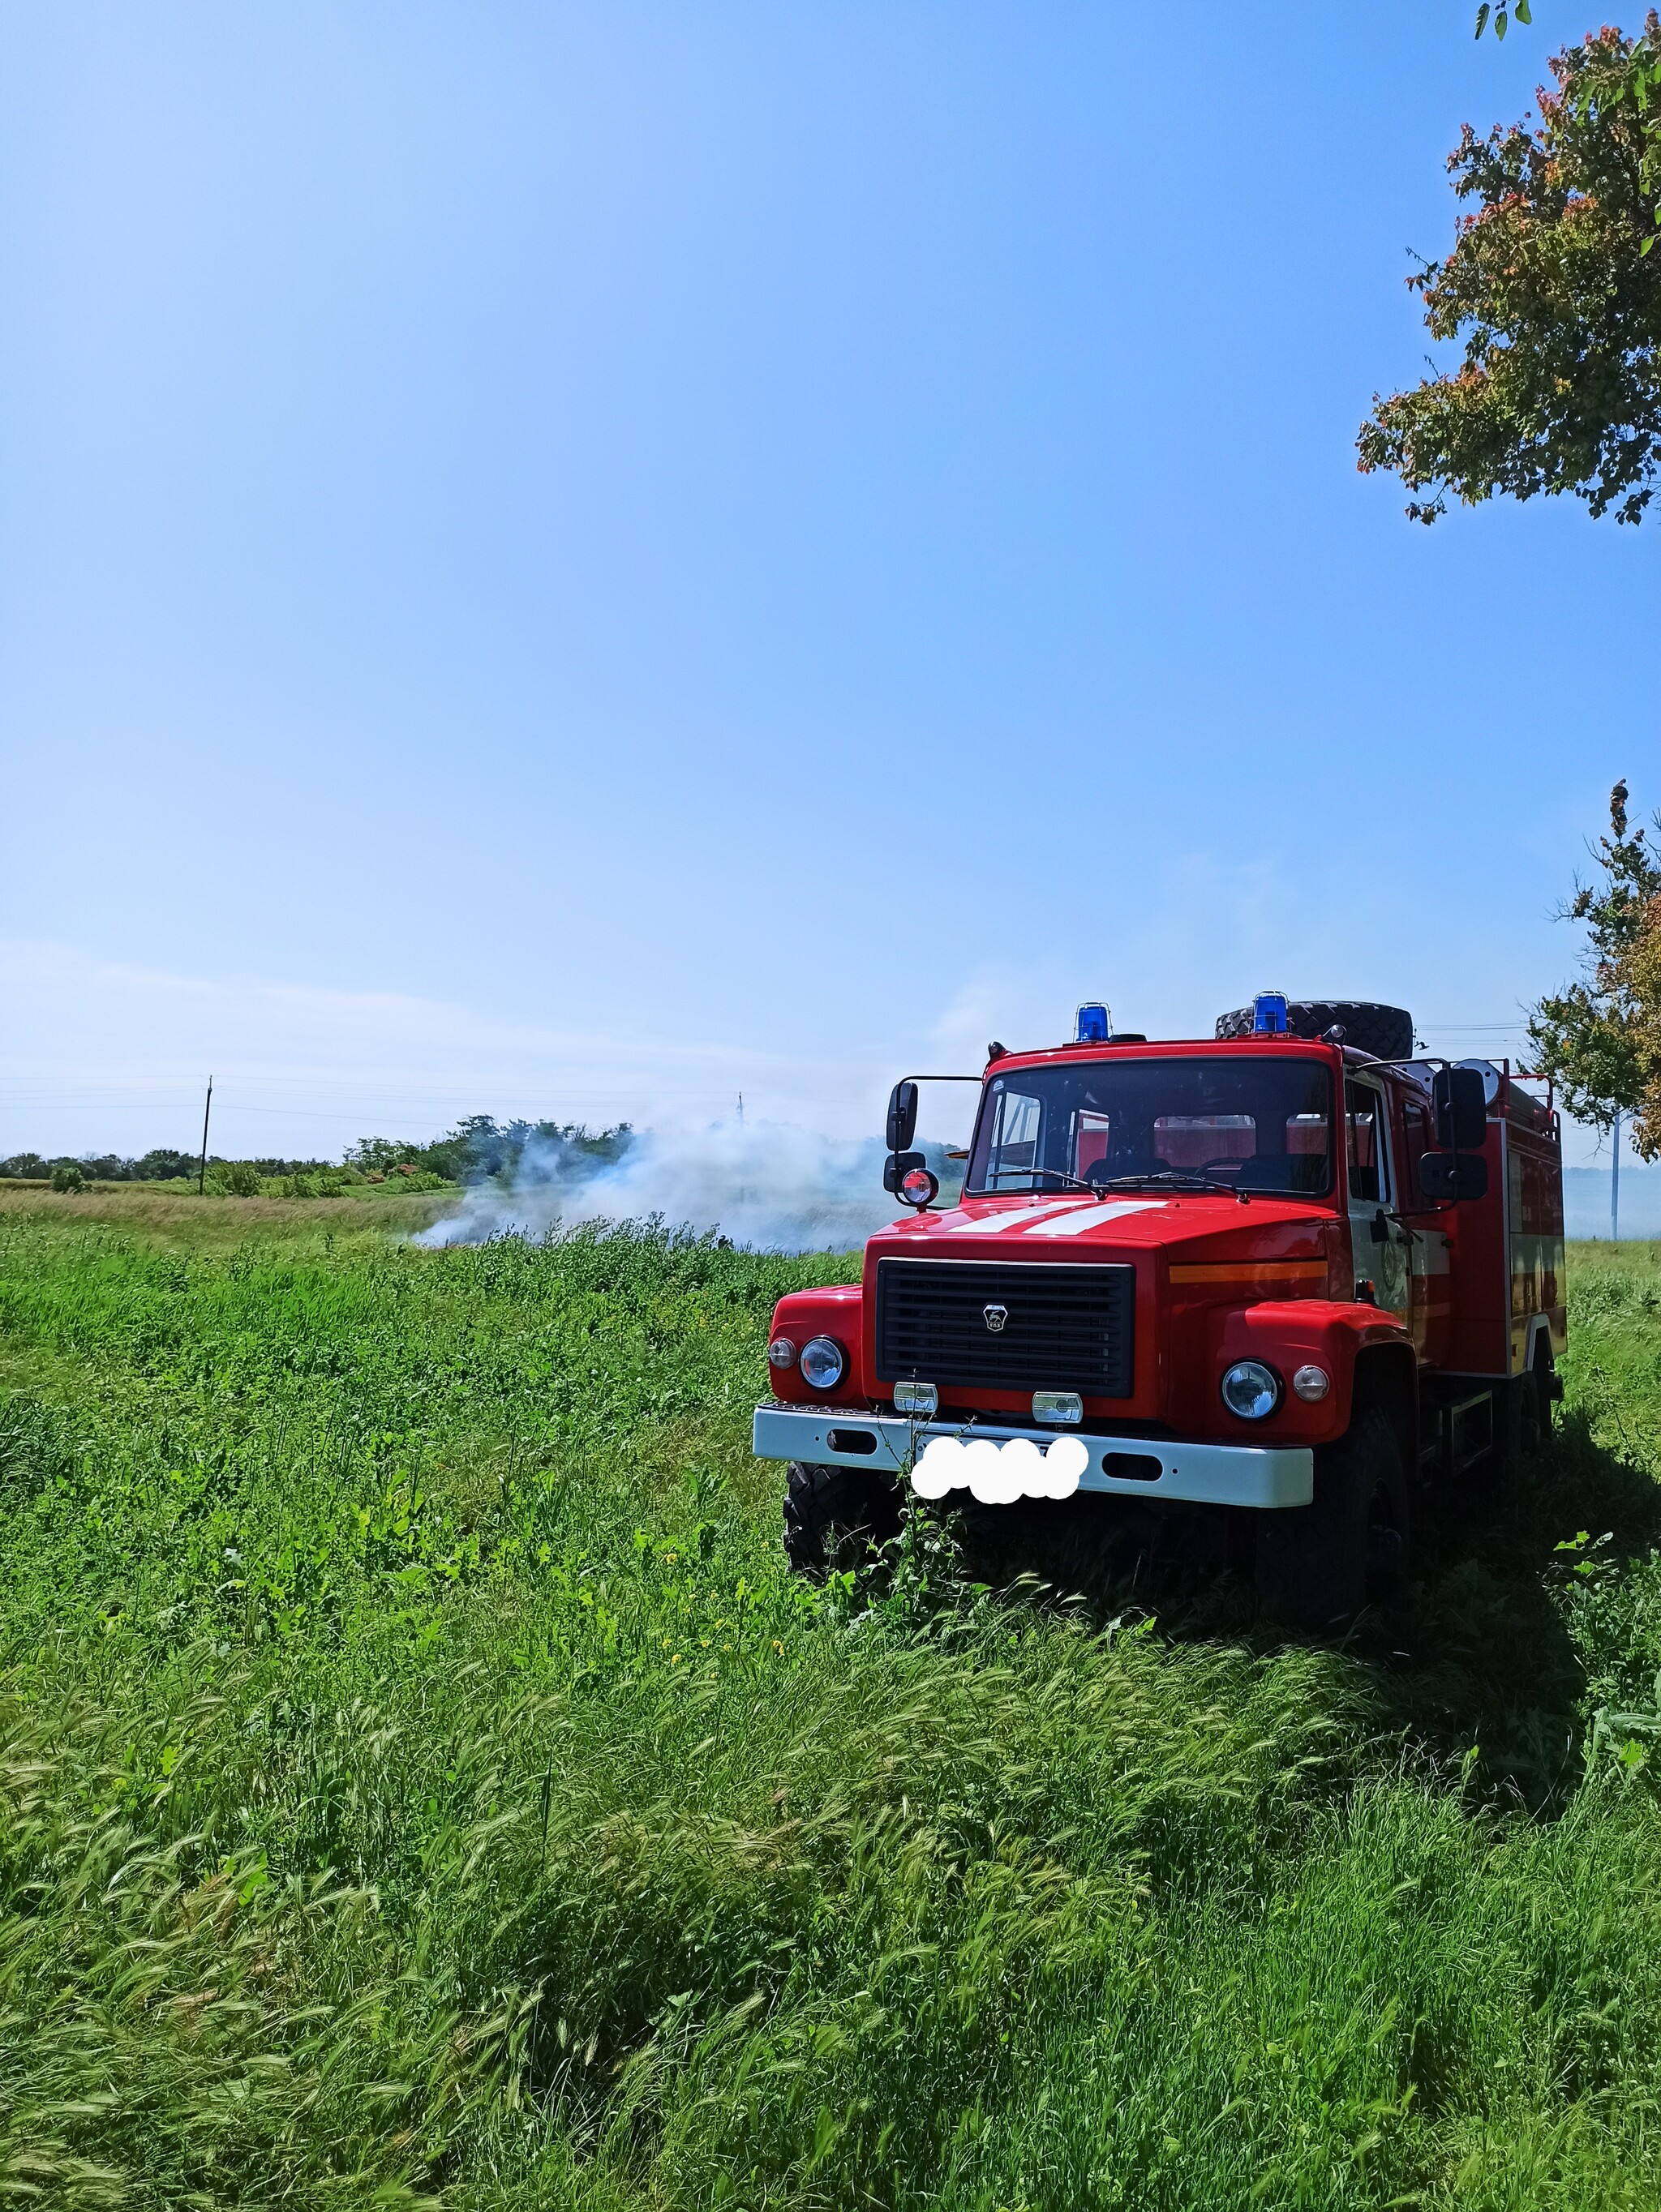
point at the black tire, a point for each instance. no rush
(1320, 1564)
(1547, 1392)
(1532, 1416)
(834, 1516)
(1384, 1031)
(1522, 1410)
(1516, 1433)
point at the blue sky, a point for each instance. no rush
(579, 560)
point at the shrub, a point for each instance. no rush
(67, 1176)
(242, 1179)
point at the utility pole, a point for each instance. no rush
(740, 1110)
(1614, 1185)
(202, 1178)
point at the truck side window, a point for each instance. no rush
(1090, 1135)
(1364, 1114)
(1307, 1136)
(1194, 1144)
(1416, 1121)
(1017, 1119)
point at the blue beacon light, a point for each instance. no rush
(1095, 1024)
(1268, 1013)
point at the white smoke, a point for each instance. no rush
(770, 1184)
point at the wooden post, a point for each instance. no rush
(202, 1178)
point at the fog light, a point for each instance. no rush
(781, 1353)
(823, 1362)
(1249, 1389)
(920, 1187)
(922, 1398)
(1312, 1383)
(1060, 1409)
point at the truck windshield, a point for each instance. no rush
(1253, 1121)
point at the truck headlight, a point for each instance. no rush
(781, 1353)
(1250, 1390)
(823, 1362)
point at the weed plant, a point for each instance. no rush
(421, 1782)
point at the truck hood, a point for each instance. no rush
(1071, 1226)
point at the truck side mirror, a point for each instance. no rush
(1462, 1109)
(1453, 1175)
(898, 1165)
(902, 1118)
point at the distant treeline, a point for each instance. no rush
(481, 1147)
(161, 1166)
(475, 1150)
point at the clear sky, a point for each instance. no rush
(577, 560)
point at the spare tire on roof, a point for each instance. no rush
(1384, 1031)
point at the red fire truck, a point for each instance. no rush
(1290, 1270)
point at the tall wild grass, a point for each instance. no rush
(422, 1782)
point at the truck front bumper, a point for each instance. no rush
(1257, 1475)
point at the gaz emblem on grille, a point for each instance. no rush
(995, 1317)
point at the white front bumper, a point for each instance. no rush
(1257, 1475)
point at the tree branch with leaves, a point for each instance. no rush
(1501, 16)
(1600, 1039)
(1554, 291)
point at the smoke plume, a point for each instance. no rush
(769, 1184)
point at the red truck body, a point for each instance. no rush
(1445, 1317)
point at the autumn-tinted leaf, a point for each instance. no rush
(1559, 385)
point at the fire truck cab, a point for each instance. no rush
(1268, 1271)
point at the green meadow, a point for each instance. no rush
(420, 1781)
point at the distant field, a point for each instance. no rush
(159, 1212)
(423, 1783)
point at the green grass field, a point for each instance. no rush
(422, 1782)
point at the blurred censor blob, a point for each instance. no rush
(998, 1474)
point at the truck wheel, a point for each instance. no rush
(1384, 1031)
(1541, 1390)
(1322, 1563)
(834, 1515)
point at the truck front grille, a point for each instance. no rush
(1062, 1328)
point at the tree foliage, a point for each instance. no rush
(1501, 16)
(164, 1164)
(480, 1146)
(1600, 1038)
(1554, 290)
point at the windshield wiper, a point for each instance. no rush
(1091, 1189)
(1173, 1178)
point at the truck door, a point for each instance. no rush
(1378, 1246)
(1429, 1253)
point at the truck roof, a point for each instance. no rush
(1506, 1097)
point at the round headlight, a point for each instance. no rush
(1311, 1384)
(918, 1188)
(823, 1362)
(1250, 1390)
(782, 1352)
